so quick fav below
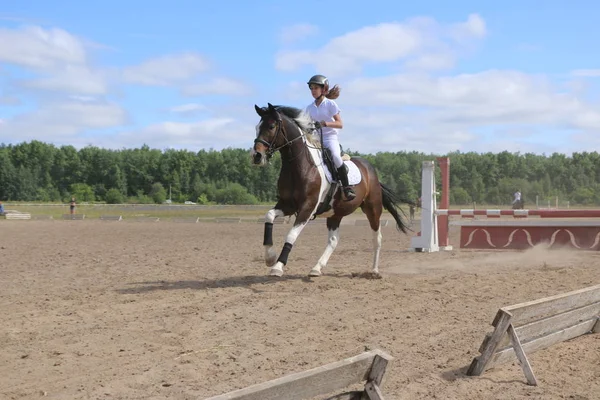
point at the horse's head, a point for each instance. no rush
(269, 134)
(278, 127)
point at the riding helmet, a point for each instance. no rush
(319, 80)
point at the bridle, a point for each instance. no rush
(270, 149)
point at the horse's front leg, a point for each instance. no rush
(270, 254)
(333, 227)
(299, 224)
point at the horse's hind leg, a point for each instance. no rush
(333, 227)
(374, 215)
(270, 254)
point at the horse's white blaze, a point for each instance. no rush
(332, 242)
(376, 248)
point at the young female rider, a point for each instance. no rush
(325, 110)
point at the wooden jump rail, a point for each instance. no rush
(192, 220)
(369, 366)
(16, 215)
(228, 220)
(111, 217)
(535, 325)
(143, 219)
(74, 217)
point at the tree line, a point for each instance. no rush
(38, 171)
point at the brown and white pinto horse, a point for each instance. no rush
(304, 186)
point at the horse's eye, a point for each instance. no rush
(272, 126)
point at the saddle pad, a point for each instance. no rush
(354, 176)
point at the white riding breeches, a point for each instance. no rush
(331, 142)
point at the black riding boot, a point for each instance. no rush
(343, 175)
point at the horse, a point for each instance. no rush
(518, 205)
(307, 189)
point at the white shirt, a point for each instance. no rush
(324, 112)
(517, 196)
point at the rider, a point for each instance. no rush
(326, 111)
(517, 199)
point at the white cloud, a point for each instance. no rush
(490, 97)
(417, 111)
(218, 86)
(167, 70)
(58, 58)
(347, 53)
(432, 61)
(189, 108)
(216, 133)
(72, 79)
(297, 32)
(586, 73)
(431, 44)
(473, 27)
(35, 47)
(62, 121)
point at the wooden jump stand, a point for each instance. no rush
(368, 367)
(535, 325)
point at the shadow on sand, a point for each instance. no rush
(246, 281)
(461, 373)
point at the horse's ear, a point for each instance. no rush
(260, 111)
(274, 112)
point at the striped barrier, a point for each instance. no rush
(498, 234)
(522, 213)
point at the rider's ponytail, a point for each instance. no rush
(333, 93)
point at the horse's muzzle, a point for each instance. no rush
(257, 158)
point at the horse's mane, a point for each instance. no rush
(301, 119)
(299, 116)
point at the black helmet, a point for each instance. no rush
(319, 80)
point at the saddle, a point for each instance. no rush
(325, 205)
(327, 157)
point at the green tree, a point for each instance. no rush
(82, 192)
(235, 193)
(158, 193)
(114, 196)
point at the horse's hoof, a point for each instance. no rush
(270, 258)
(315, 272)
(276, 272)
(269, 262)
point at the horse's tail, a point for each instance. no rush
(391, 203)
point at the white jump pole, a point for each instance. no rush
(428, 240)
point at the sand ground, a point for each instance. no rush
(133, 310)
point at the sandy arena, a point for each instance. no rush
(136, 310)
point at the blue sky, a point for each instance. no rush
(425, 76)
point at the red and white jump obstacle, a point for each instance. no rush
(497, 234)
